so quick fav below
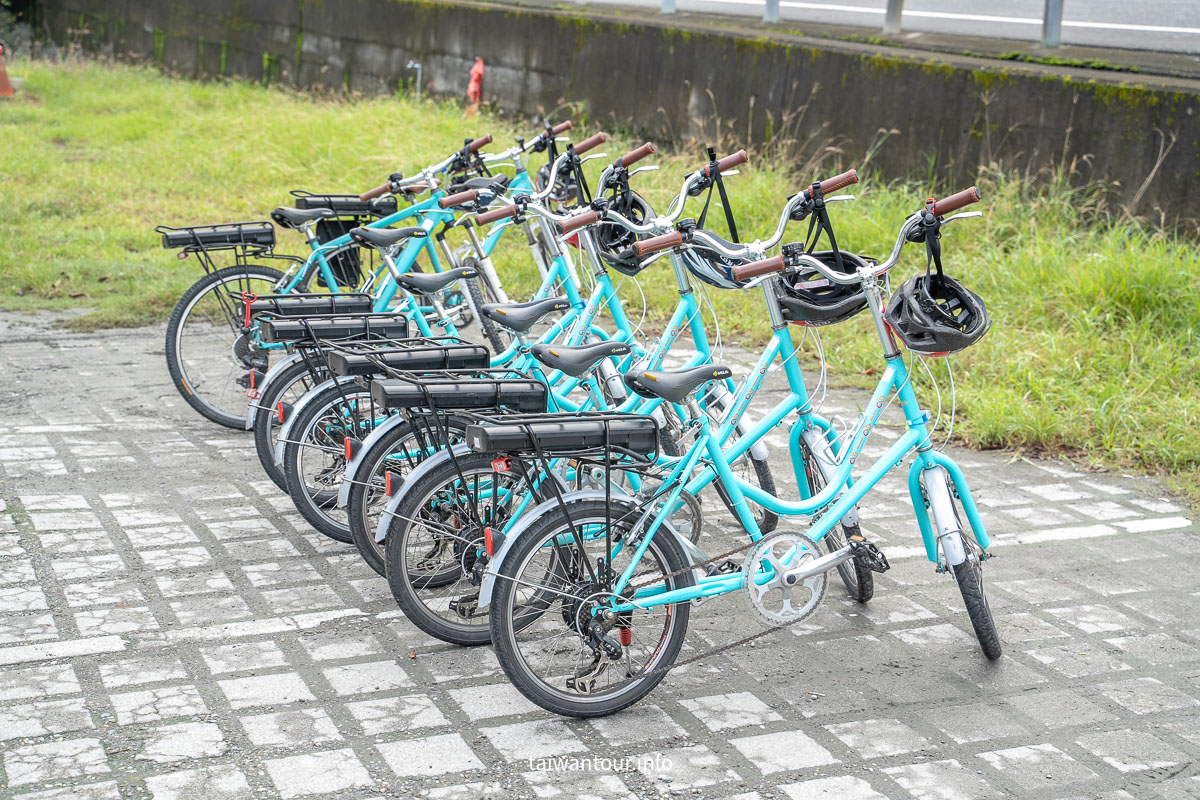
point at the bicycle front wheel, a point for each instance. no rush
(208, 356)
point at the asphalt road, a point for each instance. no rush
(1165, 25)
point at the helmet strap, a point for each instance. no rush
(818, 222)
(720, 186)
(933, 255)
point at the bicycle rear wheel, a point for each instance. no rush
(859, 580)
(208, 357)
(385, 467)
(435, 539)
(276, 404)
(314, 459)
(540, 612)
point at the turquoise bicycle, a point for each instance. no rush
(429, 512)
(590, 600)
(212, 359)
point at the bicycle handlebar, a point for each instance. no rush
(590, 142)
(728, 162)
(478, 143)
(956, 201)
(656, 243)
(833, 184)
(378, 191)
(458, 199)
(634, 156)
(561, 127)
(778, 264)
(504, 212)
(755, 268)
(578, 221)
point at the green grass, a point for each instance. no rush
(1094, 351)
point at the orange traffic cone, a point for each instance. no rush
(6, 89)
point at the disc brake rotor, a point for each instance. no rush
(776, 600)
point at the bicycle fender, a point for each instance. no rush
(286, 431)
(510, 538)
(352, 468)
(815, 437)
(252, 407)
(425, 466)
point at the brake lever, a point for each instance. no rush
(963, 215)
(729, 173)
(838, 197)
(648, 168)
(592, 156)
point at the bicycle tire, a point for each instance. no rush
(227, 413)
(266, 421)
(859, 580)
(669, 556)
(969, 577)
(479, 298)
(410, 588)
(366, 488)
(319, 508)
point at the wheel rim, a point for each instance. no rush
(402, 456)
(441, 541)
(321, 461)
(204, 344)
(551, 652)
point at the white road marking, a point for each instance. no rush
(1111, 26)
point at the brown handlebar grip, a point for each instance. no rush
(956, 201)
(655, 243)
(371, 194)
(497, 213)
(590, 142)
(634, 156)
(755, 268)
(839, 181)
(729, 162)
(480, 142)
(562, 127)
(458, 199)
(578, 221)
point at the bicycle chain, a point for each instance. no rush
(725, 647)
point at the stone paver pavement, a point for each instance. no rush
(171, 628)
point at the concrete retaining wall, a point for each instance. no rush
(671, 83)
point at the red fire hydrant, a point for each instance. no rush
(475, 84)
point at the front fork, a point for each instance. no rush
(930, 482)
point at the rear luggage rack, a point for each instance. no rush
(419, 356)
(346, 205)
(222, 236)
(461, 389)
(566, 435)
(314, 329)
(308, 305)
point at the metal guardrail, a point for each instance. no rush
(1051, 19)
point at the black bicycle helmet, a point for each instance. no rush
(809, 298)
(612, 239)
(566, 189)
(712, 267)
(936, 315)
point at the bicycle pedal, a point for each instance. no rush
(466, 607)
(870, 556)
(726, 567)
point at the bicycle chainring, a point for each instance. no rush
(776, 602)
